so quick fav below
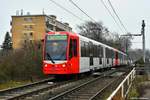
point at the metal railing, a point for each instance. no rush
(122, 90)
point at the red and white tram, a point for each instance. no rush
(71, 53)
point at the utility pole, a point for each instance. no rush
(143, 33)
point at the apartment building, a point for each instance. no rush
(33, 28)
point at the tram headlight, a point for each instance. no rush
(45, 65)
(64, 65)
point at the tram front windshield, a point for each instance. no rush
(56, 47)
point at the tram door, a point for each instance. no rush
(116, 58)
(91, 60)
(73, 55)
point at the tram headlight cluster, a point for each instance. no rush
(45, 65)
(64, 65)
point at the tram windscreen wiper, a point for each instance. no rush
(50, 58)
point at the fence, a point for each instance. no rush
(122, 90)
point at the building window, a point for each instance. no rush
(25, 41)
(28, 27)
(25, 34)
(31, 34)
(28, 19)
(39, 46)
(11, 23)
(25, 26)
(31, 41)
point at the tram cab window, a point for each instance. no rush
(73, 48)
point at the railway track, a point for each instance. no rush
(93, 89)
(35, 90)
(50, 88)
(20, 91)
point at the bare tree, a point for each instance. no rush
(98, 32)
(93, 30)
(135, 54)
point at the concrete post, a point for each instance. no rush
(143, 33)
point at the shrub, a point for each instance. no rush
(22, 64)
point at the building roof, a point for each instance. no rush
(28, 15)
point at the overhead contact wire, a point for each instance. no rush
(117, 15)
(66, 10)
(82, 10)
(115, 21)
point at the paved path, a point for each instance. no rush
(147, 94)
(146, 91)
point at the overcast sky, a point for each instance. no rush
(131, 12)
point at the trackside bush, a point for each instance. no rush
(22, 64)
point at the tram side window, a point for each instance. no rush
(100, 54)
(95, 51)
(119, 55)
(73, 48)
(91, 50)
(100, 50)
(82, 49)
(107, 60)
(86, 49)
(100, 60)
(113, 54)
(108, 53)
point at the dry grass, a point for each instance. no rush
(135, 90)
(12, 84)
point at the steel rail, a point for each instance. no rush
(77, 87)
(25, 86)
(116, 81)
(18, 96)
(9, 92)
(36, 91)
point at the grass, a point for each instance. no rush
(12, 84)
(134, 90)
